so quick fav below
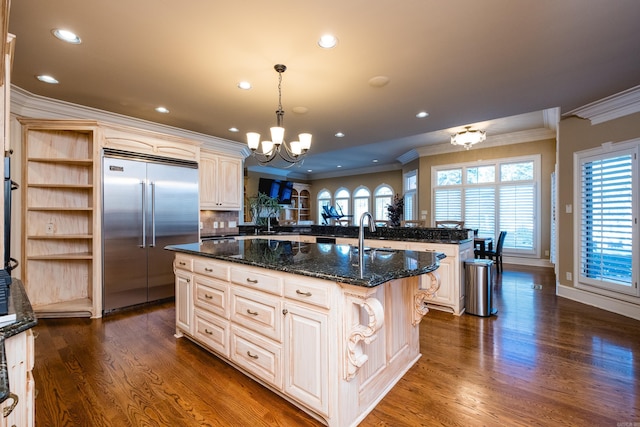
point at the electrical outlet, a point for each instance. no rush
(221, 224)
(201, 225)
(568, 275)
(215, 224)
(546, 253)
(232, 224)
(50, 228)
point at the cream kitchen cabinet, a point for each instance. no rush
(220, 182)
(451, 294)
(19, 351)
(184, 304)
(272, 325)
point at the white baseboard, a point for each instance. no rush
(530, 262)
(613, 305)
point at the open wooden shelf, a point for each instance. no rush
(60, 217)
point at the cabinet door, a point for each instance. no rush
(208, 173)
(229, 188)
(306, 357)
(184, 301)
(20, 380)
(446, 293)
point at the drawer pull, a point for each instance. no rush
(182, 263)
(9, 409)
(208, 270)
(188, 280)
(208, 332)
(253, 356)
(207, 296)
(306, 294)
(253, 313)
(252, 280)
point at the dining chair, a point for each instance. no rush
(496, 254)
(413, 223)
(450, 224)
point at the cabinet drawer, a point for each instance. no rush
(212, 295)
(211, 268)
(212, 331)
(257, 279)
(307, 290)
(257, 311)
(259, 356)
(183, 262)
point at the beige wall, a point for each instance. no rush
(547, 151)
(577, 134)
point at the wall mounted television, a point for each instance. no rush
(276, 188)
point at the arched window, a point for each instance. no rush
(324, 199)
(342, 201)
(383, 197)
(361, 202)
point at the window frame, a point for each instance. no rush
(383, 197)
(319, 201)
(607, 151)
(536, 159)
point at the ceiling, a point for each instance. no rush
(465, 62)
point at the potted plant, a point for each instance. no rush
(395, 211)
(262, 208)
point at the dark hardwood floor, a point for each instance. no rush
(542, 361)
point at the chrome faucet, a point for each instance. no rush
(372, 227)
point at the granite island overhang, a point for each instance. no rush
(304, 320)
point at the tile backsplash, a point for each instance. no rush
(226, 221)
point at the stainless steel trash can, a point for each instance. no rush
(478, 295)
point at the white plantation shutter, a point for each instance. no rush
(480, 210)
(607, 220)
(517, 215)
(448, 205)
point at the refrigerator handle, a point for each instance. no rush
(153, 214)
(143, 210)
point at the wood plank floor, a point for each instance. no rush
(542, 361)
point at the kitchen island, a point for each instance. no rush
(305, 319)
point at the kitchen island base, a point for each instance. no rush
(332, 349)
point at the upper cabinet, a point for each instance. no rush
(220, 182)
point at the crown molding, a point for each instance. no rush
(27, 104)
(612, 107)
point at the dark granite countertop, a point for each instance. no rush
(338, 263)
(410, 234)
(25, 319)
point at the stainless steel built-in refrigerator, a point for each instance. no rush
(148, 203)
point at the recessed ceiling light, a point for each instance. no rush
(309, 170)
(244, 85)
(162, 110)
(422, 114)
(339, 166)
(66, 36)
(47, 79)
(339, 135)
(233, 130)
(375, 160)
(327, 41)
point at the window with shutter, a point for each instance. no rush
(607, 219)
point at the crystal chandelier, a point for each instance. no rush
(468, 137)
(291, 152)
